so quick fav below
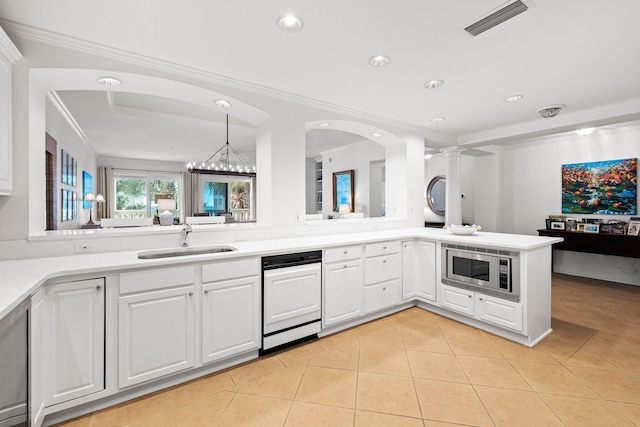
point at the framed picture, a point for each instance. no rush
(68, 169)
(87, 187)
(606, 187)
(558, 225)
(613, 227)
(572, 224)
(592, 220)
(343, 189)
(634, 228)
(592, 228)
(580, 228)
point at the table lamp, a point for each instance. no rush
(344, 209)
(99, 199)
(90, 197)
(166, 205)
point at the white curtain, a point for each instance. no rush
(105, 187)
(192, 197)
(252, 202)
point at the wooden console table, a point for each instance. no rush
(596, 243)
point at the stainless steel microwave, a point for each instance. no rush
(491, 271)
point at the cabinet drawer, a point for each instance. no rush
(342, 253)
(457, 299)
(500, 312)
(381, 248)
(234, 269)
(160, 278)
(382, 295)
(382, 268)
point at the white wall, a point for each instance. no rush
(528, 186)
(358, 157)
(436, 166)
(69, 141)
(530, 173)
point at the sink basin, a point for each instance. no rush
(173, 252)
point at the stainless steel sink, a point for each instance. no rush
(173, 252)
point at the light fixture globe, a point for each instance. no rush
(550, 111)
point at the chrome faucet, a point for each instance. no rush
(185, 233)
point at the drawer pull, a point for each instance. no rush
(384, 247)
(469, 296)
(206, 291)
(346, 252)
(384, 261)
(99, 287)
(190, 294)
(480, 298)
(344, 266)
(384, 289)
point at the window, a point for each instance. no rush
(137, 192)
(228, 195)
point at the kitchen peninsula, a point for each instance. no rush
(364, 276)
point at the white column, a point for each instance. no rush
(453, 204)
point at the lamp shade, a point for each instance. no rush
(166, 204)
(344, 209)
(99, 198)
(90, 197)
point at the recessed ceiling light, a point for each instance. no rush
(376, 134)
(379, 61)
(428, 156)
(324, 124)
(434, 84)
(290, 23)
(585, 131)
(222, 103)
(438, 119)
(513, 98)
(109, 81)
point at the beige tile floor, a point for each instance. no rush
(416, 368)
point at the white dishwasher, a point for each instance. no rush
(291, 298)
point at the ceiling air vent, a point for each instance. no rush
(496, 18)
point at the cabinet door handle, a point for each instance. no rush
(469, 296)
(206, 291)
(346, 252)
(384, 289)
(384, 261)
(480, 298)
(344, 266)
(190, 294)
(384, 247)
(99, 287)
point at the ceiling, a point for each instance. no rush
(581, 53)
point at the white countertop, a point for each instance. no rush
(21, 278)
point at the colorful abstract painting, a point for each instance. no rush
(605, 188)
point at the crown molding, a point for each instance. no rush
(75, 44)
(66, 114)
(593, 117)
(8, 50)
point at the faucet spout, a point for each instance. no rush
(185, 233)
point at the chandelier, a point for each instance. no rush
(224, 165)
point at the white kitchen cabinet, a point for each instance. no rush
(343, 292)
(37, 358)
(9, 55)
(382, 275)
(74, 339)
(499, 311)
(409, 270)
(419, 270)
(230, 308)
(457, 299)
(382, 295)
(156, 324)
(425, 263)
